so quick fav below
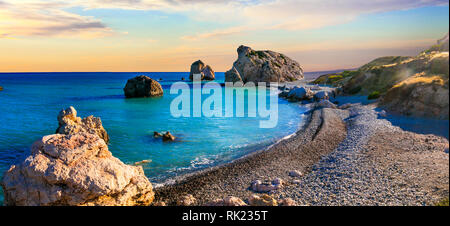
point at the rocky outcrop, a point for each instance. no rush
(74, 169)
(69, 123)
(263, 66)
(142, 86)
(168, 137)
(204, 71)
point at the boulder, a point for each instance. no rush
(200, 68)
(168, 137)
(142, 86)
(295, 173)
(300, 93)
(1, 88)
(321, 95)
(186, 200)
(69, 123)
(227, 201)
(264, 200)
(75, 169)
(263, 66)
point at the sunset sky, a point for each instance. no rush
(168, 35)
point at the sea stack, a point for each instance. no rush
(263, 66)
(204, 71)
(75, 169)
(142, 86)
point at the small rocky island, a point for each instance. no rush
(142, 86)
(200, 68)
(75, 168)
(263, 66)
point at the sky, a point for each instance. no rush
(168, 35)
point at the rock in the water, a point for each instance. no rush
(201, 69)
(1, 88)
(69, 123)
(168, 137)
(142, 86)
(75, 169)
(157, 134)
(264, 200)
(186, 200)
(145, 161)
(227, 201)
(263, 66)
(286, 202)
(233, 75)
(295, 173)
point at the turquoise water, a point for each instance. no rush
(30, 103)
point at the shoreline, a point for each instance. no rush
(326, 147)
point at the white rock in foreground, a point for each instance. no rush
(75, 169)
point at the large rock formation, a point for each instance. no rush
(142, 86)
(69, 123)
(263, 66)
(75, 169)
(200, 68)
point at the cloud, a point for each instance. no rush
(219, 33)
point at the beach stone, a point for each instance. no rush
(264, 200)
(295, 173)
(286, 202)
(186, 200)
(232, 75)
(142, 86)
(263, 66)
(75, 169)
(69, 123)
(227, 201)
(321, 95)
(168, 137)
(296, 181)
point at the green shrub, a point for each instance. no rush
(374, 95)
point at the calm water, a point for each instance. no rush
(30, 103)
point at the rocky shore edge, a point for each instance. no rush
(347, 155)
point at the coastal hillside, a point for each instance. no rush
(416, 86)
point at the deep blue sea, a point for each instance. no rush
(30, 102)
